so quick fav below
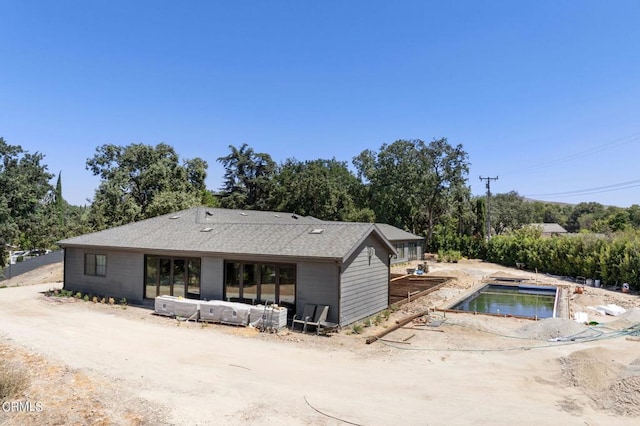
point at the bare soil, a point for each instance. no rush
(92, 363)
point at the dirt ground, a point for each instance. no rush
(88, 363)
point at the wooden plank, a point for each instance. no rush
(399, 324)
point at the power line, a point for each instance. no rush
(595, 190)
(597, 149)
(578, 193)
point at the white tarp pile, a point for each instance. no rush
(610, 309)
(273, 317)
(225, 312)
(166, 305)
(187, 308)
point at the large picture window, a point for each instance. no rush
(255, 283)
(95, 264)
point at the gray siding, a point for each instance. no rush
(364, 284)
(212, 278)
(317, 283)
(124, 275)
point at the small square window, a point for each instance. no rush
(95, 264)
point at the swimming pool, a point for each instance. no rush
(517, 301)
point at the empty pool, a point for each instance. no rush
(519, 301)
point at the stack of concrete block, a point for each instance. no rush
(274, 317)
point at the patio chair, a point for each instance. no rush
(326, 327)
(319, 318)
(307, 315)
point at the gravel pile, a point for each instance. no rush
(553, 328)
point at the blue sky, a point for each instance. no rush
(543, 94)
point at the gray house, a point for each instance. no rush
(236, 255)
(408, 246)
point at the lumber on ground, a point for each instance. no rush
(398, 325)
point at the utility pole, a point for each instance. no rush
(488, 179)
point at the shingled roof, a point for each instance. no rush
(396, 234)
(228, 232)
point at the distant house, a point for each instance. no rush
(408, 246)
(549, 229)
(247, 256)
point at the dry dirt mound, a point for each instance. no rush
(628, 319)
(611, 385)
(554, 328)
(622, 397)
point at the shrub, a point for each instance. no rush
(78, 295)
(450, 256)
(86, 298)
(357, 328)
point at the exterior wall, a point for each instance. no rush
(124, 275)
(364, 284)
(317, 283)
(212, 278)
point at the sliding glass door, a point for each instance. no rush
(255, 283)
(172, 276)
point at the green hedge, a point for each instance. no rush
(613, 260)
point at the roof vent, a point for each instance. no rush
(276, 215)
(174, 217)
(316, 231)
(206, 230)
(208, 213)
(243, 214)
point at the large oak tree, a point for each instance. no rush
(139, 181)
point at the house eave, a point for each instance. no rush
(201, 253)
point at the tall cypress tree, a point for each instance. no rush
(58, 200)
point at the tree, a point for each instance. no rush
(25, 185)
(59, 201)
(324, 189)
(141, 181)
(481, 216)
(510, 212)
(412, 185)
(584, 216)
(248, 179)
